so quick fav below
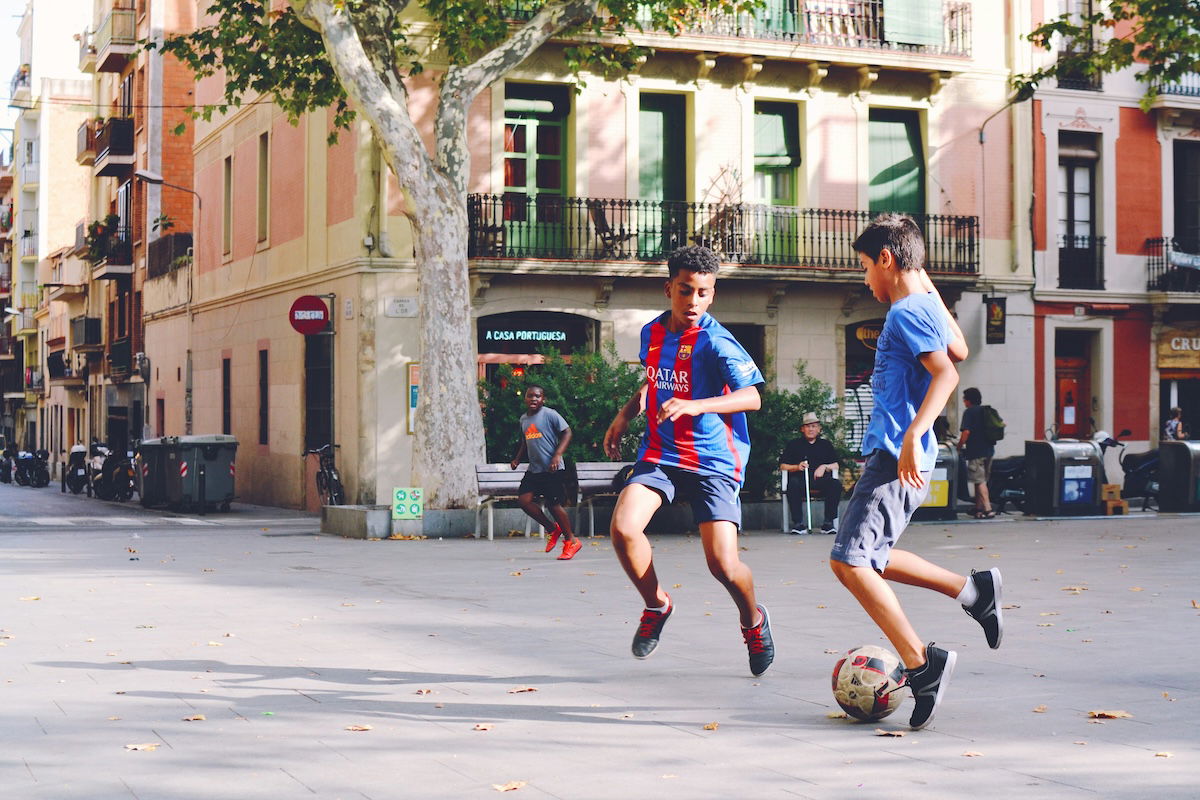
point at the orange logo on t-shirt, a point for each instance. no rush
(532, 432)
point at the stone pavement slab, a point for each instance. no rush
(282, 639)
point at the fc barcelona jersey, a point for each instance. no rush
(703, 361)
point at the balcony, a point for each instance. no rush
(85, 143)
(1078, 79)
(5, 278)
(775, 238)
(28, 248)
(87, 52)
(1173, 265)
(112, 255)
(120, 358)
(19, 90)
(115, 40)
(86, 335)
(65, 279)
(114, 147)
(81, 244)
(6, 218)
(31, 172)
(34, 380)
(61, 370)
(1081, 262)
(25, 323)
(168, 253)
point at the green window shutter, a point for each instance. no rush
(897, 162)
(913, 21)
(776, 135)
(661, 147)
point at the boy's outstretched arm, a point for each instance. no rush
(620, 423)
(941, 388)
(744, 399)
(958, 345)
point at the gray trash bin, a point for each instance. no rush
(151, 472)
(1062, 478)
(198, 471)
(1179, 476)
(943, 487)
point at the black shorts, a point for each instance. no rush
(550, 486)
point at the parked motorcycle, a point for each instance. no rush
(32, 469)
(1006, 484)
(110, 475)
(1141, 469)
(75, 475)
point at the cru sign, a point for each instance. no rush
(309, 315)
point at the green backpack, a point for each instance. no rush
(993, 425)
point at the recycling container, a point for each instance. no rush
(1062, 478)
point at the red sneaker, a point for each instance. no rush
(570, 548)
(552, 537)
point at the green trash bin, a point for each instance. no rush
(198, 471)
(151, 471)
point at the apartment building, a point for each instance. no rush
(772, 138)
(12, 379)
(1116, 231)
(48, 196)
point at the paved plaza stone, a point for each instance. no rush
(240, 655)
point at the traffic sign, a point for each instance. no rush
(309, 315)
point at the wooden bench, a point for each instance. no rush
(500, 482)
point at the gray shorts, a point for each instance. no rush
(878, 512)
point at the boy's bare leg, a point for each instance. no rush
(883, 607)
(635, 506)
(721, 552)
(910, 569)
(564, 522)
(534, 510)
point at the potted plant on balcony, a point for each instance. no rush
(96, 242)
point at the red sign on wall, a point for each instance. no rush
(309, 315)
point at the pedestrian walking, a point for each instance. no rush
(913, 378)
(1173, 427)
(977, 450)
(545, 436)
(699, 383)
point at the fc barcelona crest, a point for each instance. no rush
(685, 352)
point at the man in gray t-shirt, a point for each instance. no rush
(544, 437)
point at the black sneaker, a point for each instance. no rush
(646, 638)
(928, 682)
(986, 610)
(829, 526)
(798, 531)
(759, 644)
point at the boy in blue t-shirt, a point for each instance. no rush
(699, 382)
(914, 376)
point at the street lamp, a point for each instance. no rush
(154, 179)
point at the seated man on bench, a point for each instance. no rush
(815, 455)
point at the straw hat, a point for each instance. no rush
(810, 418)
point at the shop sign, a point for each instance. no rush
(532, 332)
(1188, 260)
(997, 317)
(1179, 348)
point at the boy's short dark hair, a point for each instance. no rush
(972, 395)
(693, 258)
(898, 233)
(537, 386)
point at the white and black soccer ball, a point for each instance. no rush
(869, 683)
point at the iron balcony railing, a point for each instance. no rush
(29, 243)
(1078, 79)
(115, 39)
(116, 249)
(114, 139)
(1081, 262)
(85, 143)
(167, 253)
(859, 24)
(593, 229)
(120, 356)
(1173, 264)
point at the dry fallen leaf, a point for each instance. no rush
(515, 575)
(882, 732)
(32, 597)
(1039, 709)
(113, 719)
(837, 715)
(1045, 624)
(1048, 614)
(195, 718)
(358, 727)
(1195, 604)
(831, 652)
(511, 786)
(215, 644)
(347, 605)
(972, 754)
(1080, 742)
(1163, 754)
(146, 746)
(424, 691)
(711, 726)
(1008, 606)
(1110, 715)
(1074, 589)
(676, 586)
(483, 726)
(519, 689)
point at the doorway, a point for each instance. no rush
(1073, 396)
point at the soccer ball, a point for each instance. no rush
(869, 683)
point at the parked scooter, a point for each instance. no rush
(75, 475)
(32, 469)
(110, 475)
(1141, 469)
(6, 465)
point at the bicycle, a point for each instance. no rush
(329, 483)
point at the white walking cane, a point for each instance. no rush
(807, 501)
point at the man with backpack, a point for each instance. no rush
(981, 429)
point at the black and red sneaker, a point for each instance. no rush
(759, 644)
(646, 638)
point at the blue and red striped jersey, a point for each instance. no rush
(703, 361)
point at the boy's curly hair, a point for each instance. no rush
(898, 233)
(693, 258)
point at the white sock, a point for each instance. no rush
(660, 609)
(969, 594)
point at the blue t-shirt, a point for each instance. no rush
(703, 361)
(914, 325)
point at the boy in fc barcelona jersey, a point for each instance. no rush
(699, 384)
